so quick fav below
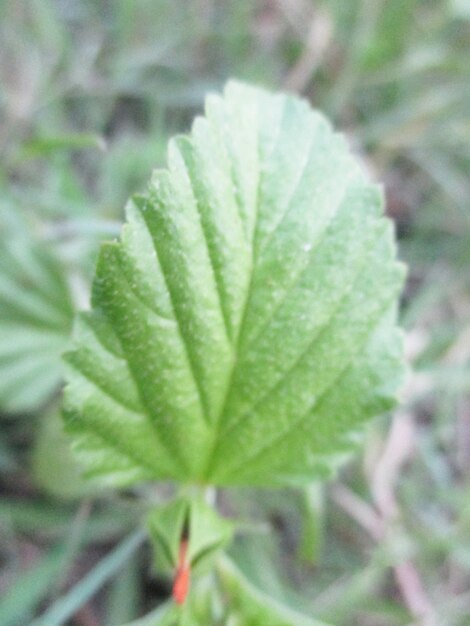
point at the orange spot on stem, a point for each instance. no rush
(182, 577)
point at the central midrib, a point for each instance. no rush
(252, 265)
(254, 259)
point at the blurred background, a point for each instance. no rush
(90, 92)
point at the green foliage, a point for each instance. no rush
(55, 467)
(229, 598)
(243, 329)
(251, 607)
(36, 313)
(90, 92)
(18, 604)
(66, 606)
(207, 532)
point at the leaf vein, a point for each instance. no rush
(218, 425)
(117, 445)
(210, 254)
(107, 392)
(317, 336)
(300, 275)
(300, 178)
(139, 298)
(318, 402)
(184, 340)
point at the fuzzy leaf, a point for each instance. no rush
(244, 327)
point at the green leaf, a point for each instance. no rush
(36, 316)
(32, 517)
(207, 532)
(55, 469)
(244, 327)
(165, 615)
(124, 594)
(251, 606)
(66, 606)
(44, 146)
(31, 587)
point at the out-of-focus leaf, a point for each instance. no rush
(66, 606)
(251, 606)
(165, 615)
(461, 8)
(244, 328)
(36, 313)
(50, 520)
(55, 468)
(123, 598)
(30, 587)
(42, 146)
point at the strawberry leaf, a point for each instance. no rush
(243, 329)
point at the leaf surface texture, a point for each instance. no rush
(243, 329)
